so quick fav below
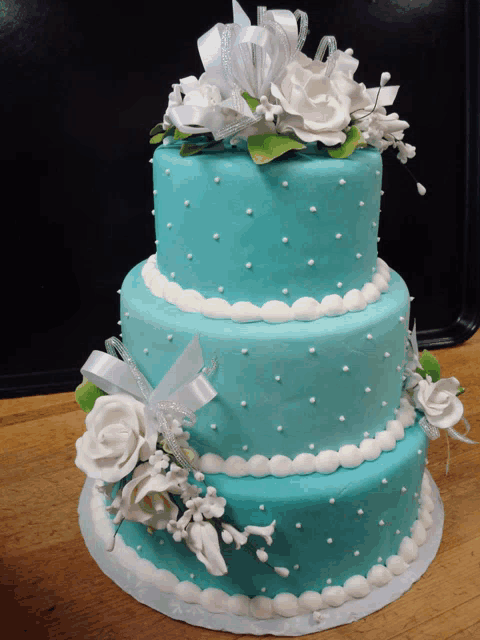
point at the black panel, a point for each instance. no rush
(84, 82)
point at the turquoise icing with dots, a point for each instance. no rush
(229, 228)
(267, 376)
(305, 500)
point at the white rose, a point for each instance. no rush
(318, 107)
(439, 402)
(115, 439)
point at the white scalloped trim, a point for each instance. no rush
(328, 461)
(274, 311)
(283, 605)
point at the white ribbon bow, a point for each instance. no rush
(182, 390)
(240, 57)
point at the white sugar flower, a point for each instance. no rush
(195, 507)
(177, 529)
(230, 534)
(405, 151)
(268, 110)
(117, 437)
(213, 506)
(439, 402)
(190, 491)
(264, 532)
(159, 461)
(202, 539)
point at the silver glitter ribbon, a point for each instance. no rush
(182, 390)
(238, 58)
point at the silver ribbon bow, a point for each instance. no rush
(182, 390)
(239, 57)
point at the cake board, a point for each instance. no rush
(134, 576)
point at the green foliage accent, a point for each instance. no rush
(460, 391)
(158, 134)
(354, 139)
(266, 147)
(189, 149)
(430, 366)
(86, 393)
(178, 135)
(252, 102)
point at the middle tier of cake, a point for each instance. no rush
(297, 397)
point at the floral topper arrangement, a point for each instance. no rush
(258, 86)
(136, 449)
(434, 396)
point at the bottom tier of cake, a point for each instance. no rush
(338, 539)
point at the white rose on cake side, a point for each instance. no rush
(439, 402)
(115, 440)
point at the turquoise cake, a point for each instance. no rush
(256, 455)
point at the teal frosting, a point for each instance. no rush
(156, 332)
(219, 207)
(305, 500)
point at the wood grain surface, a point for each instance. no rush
(52, 588)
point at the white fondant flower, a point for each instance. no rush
(379, 129)
(405, 151)
(189, 492)
(268, 110)
(213, 506)
(318, 106)
(174, 100)
(202, 539)
(264, 532)
(439, 402)
(233, 535)
(117, 437)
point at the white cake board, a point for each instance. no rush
(97, 529)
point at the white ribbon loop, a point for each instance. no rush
(110, 375)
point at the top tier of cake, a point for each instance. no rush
(304, 226)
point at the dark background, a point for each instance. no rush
(83, 83)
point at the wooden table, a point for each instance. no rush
(52, 588)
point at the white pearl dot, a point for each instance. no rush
(153, 212)
(248, 265)
(339, 285)
(249, 212)
(285, 184)
(156, 242)
(380, 559)
(313, 209)
(358, 256)
(329, 540)
(298, 525)
(169, 225)
(381, 523)
(360, 512)
(285, 240)
(262, 507)
(216, 179)
(311, 446)
(172, 274)
(382, 192)
(189, 256)
(356, 553)
(332, 501)
(263, 589)
(377, 173)
(384, 481)
(386, 354)
(399, 367)
(384, 403)
(419, 452)
(155, 192)
(415, 495)
(369, 336)
(378, 239)
(216, 236)
(167, 172)
(402, 318)
(312, 350)
(244, 351)
(366, 434)
(397, 531)
(126, 314)
(361, 203)
(245, 447)
(279, 428)
(187, 203)
(367, 389)
(342, 418)
(221, 289)
(345, 368)
(374, 269)
(169, 337)
(329, 581)
(277, 378)
(243, 403)
(213, 426)
(404, 489)
(145, 350)
(296, 567)
(374, 224)
(338, 236)
(139, 547)
(311, 262)
(192, 576)
(312, 400)
(285, 292)
(342, 181)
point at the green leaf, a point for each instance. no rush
(460, 391)
(86, 393)
(354, 138)
(265, 147)
(252, 102)
(189, 149)
(158, 128)
(430, 365)
(178, 135)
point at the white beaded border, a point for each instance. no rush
(284, 605)
(327, 461)
(304, 309)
